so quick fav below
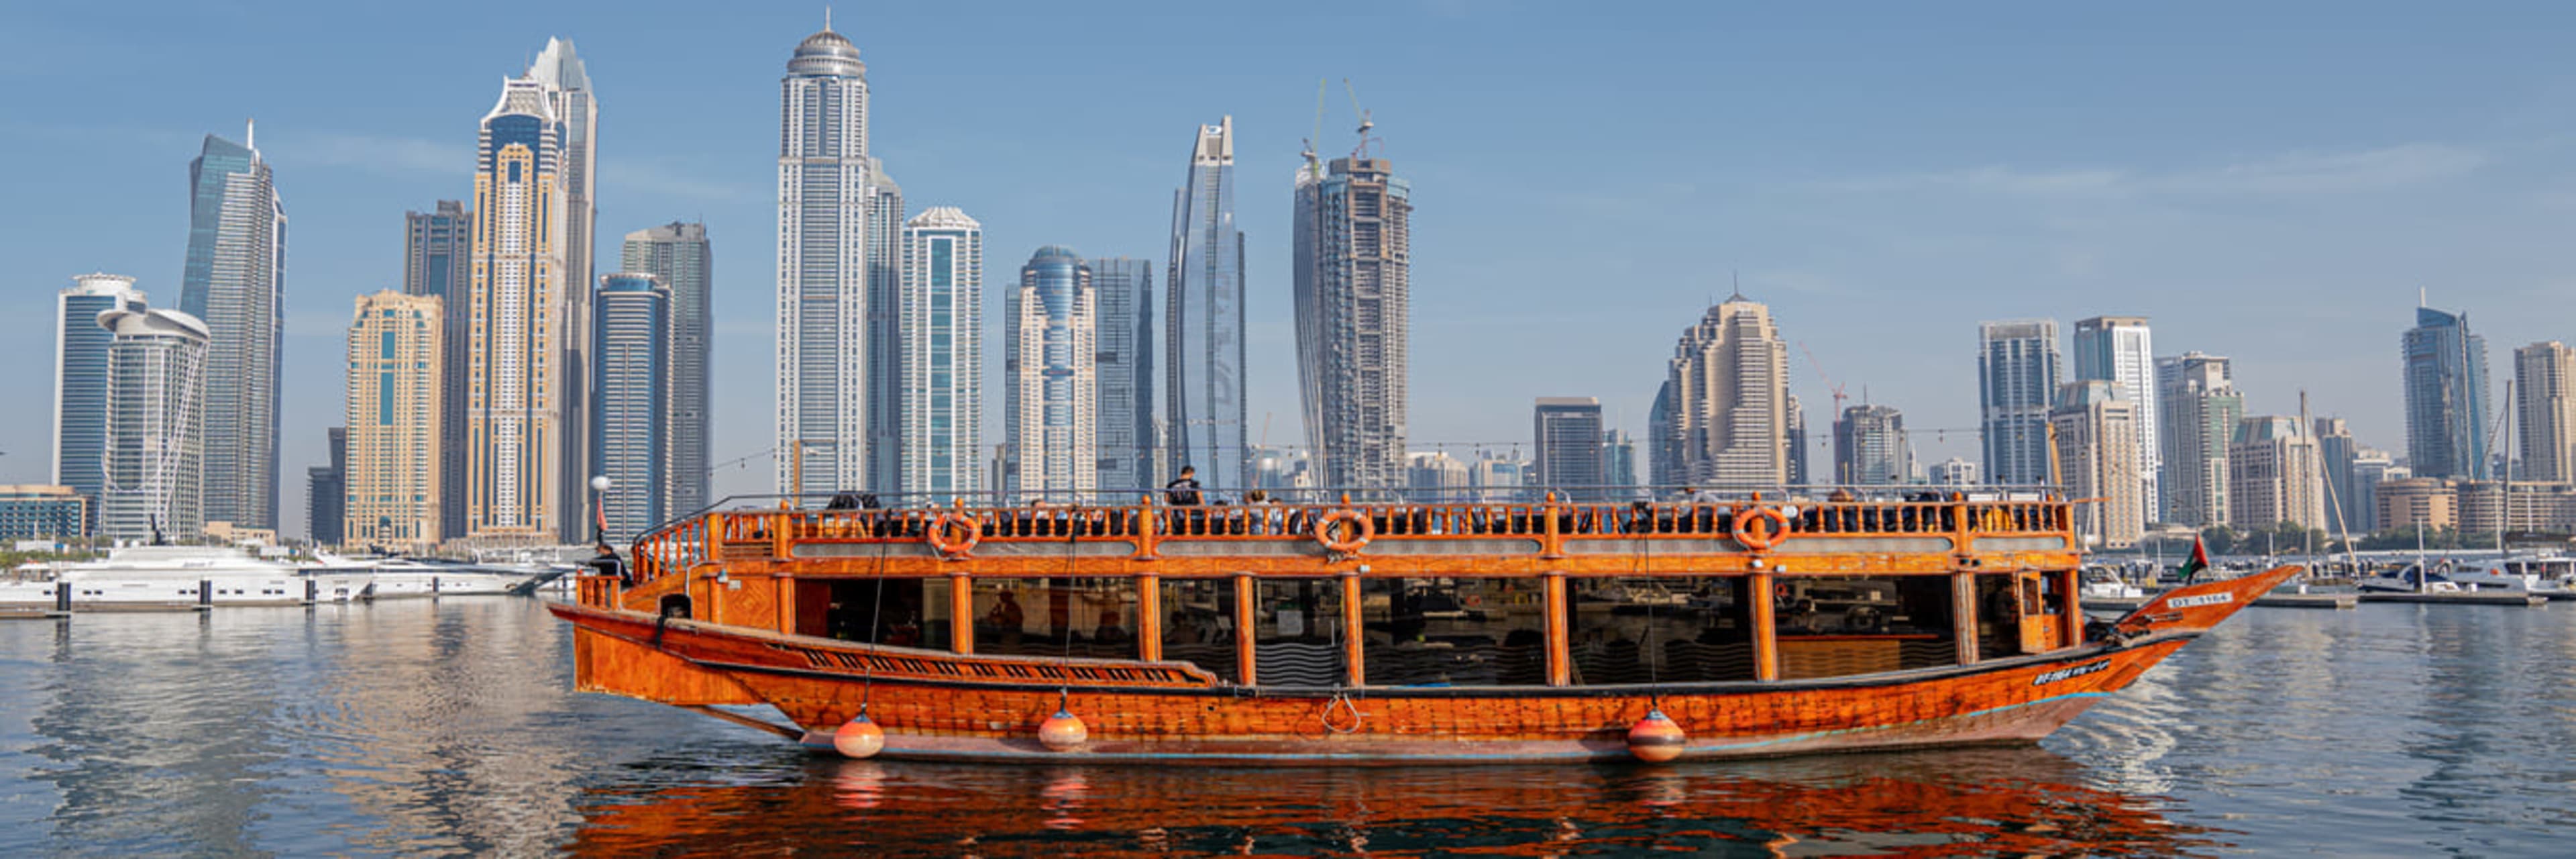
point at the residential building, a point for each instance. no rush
(81, 382)
(234, 281)
(1353, 258)
(1798, 473)
(565, 81)
(523, 417)
(2370, 468)
(42, 512)
(2527, 507)
(1051, 388)
(156, 368)
(1279, 468)
(2273, 476)
(326, 490)
(2095, 428)
(1729, 410)
(2122, 349)
(940, 337)
(1566, 434)
(1954, 472)
(825, 208)
(392, 495)
(2017, 373)
(632, 395)
(1498, 479)
(679, 257)
(438, 260)
(1123, 290)
(2446, 396)
(2200, 410)
(2417, 502)
(1436, 477)
(1870, 447)
(2545, 410)
(883, 213)
(2337, 450)
(1203, 365)
(1619, 463)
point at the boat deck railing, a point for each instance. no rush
(1705, 522)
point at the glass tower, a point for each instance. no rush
(633, 449)
(1203, 322)
(156, 425)
(80, 382)
(234, 281)
(678, 255)
(2017, 379)
(823, 273)
(438, 260)
(2121, 349)
(2446, 396)
(941, 331)
(1052, 323)
(1124, 367)
(1353, 304)
(1566, 432)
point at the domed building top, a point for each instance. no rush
(827, 53)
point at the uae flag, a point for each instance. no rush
(2199, 561)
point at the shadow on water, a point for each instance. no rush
(1980, 801)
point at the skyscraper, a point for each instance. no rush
(2337, 451)
(1798, 473)
(2273, 477)
(393, 499)
(1436, 477)
(326, 493)
(81, 382)
(633, 398)
(884, 333)
(678, 256)
(156, 368)
(1353, 302)
(1203, 321)
(2122, 349)
(1665, 467)
(941, 335)
(568, 85)
(824, 211)
(235, 282)
(1566, 434)
(438, 260)
(1125, 370)
(1619, 462)
(1870, 447)
(2370, 468)
(2446, 396)
(1728, 413)
(520, 408)
(2096, 428)
(2201, 410)
(2546, 411)
(1052, 390)
(2017, 373)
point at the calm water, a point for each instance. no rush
(447, 728)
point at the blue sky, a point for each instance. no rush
(2274, 182)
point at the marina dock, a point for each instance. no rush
(2327, 601)
(2508, 598)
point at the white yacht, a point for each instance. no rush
(150, 577)
(404, 578)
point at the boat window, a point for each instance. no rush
(1835, 626)
(1082, 617)
(898, 612)
(1462, 632)
(1198, 624)
(1658, 630)
(1998, 617)
(1297, 634)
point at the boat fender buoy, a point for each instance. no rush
(1344, 531)
(1655, 739)
(859, 738)
(1764, 538)
(1063, 731)
(953, 534)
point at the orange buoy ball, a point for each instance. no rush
(1655, 739)
(1063, 731)
(859, 738)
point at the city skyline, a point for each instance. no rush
(2189, 310)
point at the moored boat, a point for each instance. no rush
(142, 578)
(1341, 633)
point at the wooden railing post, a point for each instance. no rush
(1766, 630)
(1551, 543)
(1352, 640)
(1963, 615)
(961, 612)
(1149, 617)
(783, 586)
(1245, 615)
(1146, 526)
(1560, 663)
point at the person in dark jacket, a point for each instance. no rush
(1183, 491)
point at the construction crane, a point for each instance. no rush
(1315, 165)
(1365, 122)
(1830, 384)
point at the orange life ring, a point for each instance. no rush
(1357, 535)
(966, 533)
(1761, 539)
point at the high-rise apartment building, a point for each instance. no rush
(2017, 374)
(392, 497)
(678, 255)
(577, 108)
(326, 493)
(438, 260)
(1954, 472)
(156, 369)
(521, 412)
(235, 281)
(81, 383)
(1619, 463)
(2273, 477)
(1729, 410)
(2545, 411)
(2122, 349)
(1050, 329)
(2095, 427)
(941, 333)
(884, 399)
(2337, 450)
(1665, 465)
(1436, 477)
(1870, 447)
(2446, 396)
(2201, 408)
(1124, 368)
(1565, 432)
(824, 209)
(1203, 365)
(632, 394)
(1798, 450)
(1353, 298)
(2370, 468)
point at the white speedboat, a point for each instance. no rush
(406, 578)
(178, 577)
(2410, 579)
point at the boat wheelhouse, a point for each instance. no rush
(1755, 623)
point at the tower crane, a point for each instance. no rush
(1315, 165)
(1830, 384)
(1365, 123)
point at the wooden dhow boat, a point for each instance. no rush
(1751, 624)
